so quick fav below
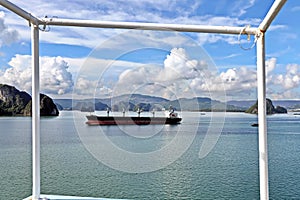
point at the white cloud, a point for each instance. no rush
(178, 65)
(84, 88)
(7, 35)
(182, 76)
(168, 81)
(295, 9)
(141, 11)
(239, 82)
(55, 77)
(96, 77)
(274, 27)
(283, 85)
(240, 7)
(270, 64)
(291, 79)
(288, 94)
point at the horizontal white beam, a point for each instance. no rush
(150, 26)
(277, 5)
(127, 25)
(19, 11)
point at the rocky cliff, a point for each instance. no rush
(47, 107)
(12, 101)
(271, 109)
(15, 102)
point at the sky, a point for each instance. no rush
(99, 63)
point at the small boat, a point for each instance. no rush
(94, 120)
(254, 124)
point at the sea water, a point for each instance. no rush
(228, 171)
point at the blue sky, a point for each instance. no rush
(88, 62)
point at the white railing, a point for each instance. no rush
(259, 33)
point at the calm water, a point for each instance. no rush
(229, 171)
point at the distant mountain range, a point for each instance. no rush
(289, 104)
(131, 102)
(148, 103)
(15, 102)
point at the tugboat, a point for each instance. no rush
(94, 120)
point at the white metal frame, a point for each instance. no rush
(259, 32)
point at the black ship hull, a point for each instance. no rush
(107, 120)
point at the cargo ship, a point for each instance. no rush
(94, 120)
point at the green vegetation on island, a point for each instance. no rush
(271, 109)
(18, 103)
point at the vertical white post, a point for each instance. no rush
(262, 119)
(35, 113)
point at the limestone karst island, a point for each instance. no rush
(18, 103)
